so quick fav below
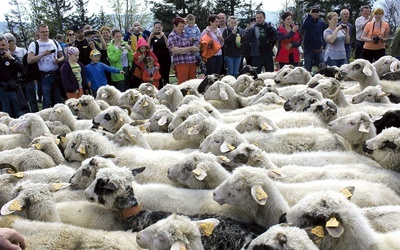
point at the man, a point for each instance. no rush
(360, 25)
(314, 27)
(28, 86)
(345, 15)
(135, 33)
(246, 44)
(222, 22)
(49, 56)
(84, 44)
(263, 38)
(10, 65)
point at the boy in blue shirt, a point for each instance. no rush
(95, 72)
(192, 32)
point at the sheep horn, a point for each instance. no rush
(130, 136)
(129, 109)
(8, 165)
(335, 83)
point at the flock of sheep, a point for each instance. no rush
(282, 160)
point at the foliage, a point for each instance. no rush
(392, 14)
(81, 17)
(17, 22)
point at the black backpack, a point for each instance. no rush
(32, 70)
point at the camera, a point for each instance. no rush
(157, 33)
(344, 26)
(52, 51)
(90, 32)
(376, 39)
(2, 52)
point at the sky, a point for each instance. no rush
(96, 4)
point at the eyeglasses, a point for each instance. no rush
(44, 31)
(71, 34)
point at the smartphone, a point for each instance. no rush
(157, 33)
(52, 51)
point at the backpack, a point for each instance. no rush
(32, 70)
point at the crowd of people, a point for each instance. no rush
(87, 59)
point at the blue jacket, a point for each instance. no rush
(95, 73)
(314, 29)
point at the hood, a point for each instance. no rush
(142, 42)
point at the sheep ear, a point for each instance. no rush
(21, 126)
(136, 171)
(223, 158)
(266, 127)
(37, 146)
(110, 186)
(226, 147)
(367, 70)
(223, 94)
(178, 245)
(348, 192)
(275, 174)
(13, 205)
(199, 174)
(334, 227)
(364, 127)
(169, 91)
(195, 130)
(259, 195)
(163, 120)
(207, 226)
(53, 187)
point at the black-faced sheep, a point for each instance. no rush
(390, 118)
(112, 119)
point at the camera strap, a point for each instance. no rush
(373, 28)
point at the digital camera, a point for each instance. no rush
(344, 26)
(376, 39)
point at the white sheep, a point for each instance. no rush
(171, 96)
(160, 120)
(72, 104)
(221, 141)
(302, 100)
(24, 159)
(49, 146)
(148, 89)
(109, 94)
(63, 114)
(241, 83)
(256, 122)
(144, 108)
(284, 237)
(256, 86)
(298, 75)
(115, 188)
(112, 119)
(87, 107)
(129, 135)
(335, 223)
(223, 96)
(283, 72)
(383, 219)
(57, 127)
(384, 148)
(129, 98)
(386, 64)
(331, 88)
(371, 94)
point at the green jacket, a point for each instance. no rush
(114, 57)
(395, 46)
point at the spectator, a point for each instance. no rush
(70, 37)
(105, 32)
(50, 55)
(158, 42)
(232, 42)
(313, 39)
(214, 63)
(222, 22)
(246, 43)
(73, 74)
(135, 33)
(11, 239)
(10, 65)
(360, 25)
(151, 73)
(120, 56)
(95, 36)
(142, 52)
(263, 39)
(84, 44)
(345, 15)
(289, 42)
(192, 32)
(375, 35)
(95, 72)
(336, 37)
(395, 46)
(60, 40)
(28, 86)
(182, 52)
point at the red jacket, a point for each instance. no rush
(148, 52)
(156, 77)
(284, 39)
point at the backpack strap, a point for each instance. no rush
(36, 48)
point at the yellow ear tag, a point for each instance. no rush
(58, 111)
(57, 141)
(231, 147)
(57, 186)
(121, 120)
(82, 149)
(277, 171)
(346, 193)
(79, 106)
(15, 206)
(63, 138)
(19, 174)
(265, 126)
(224, 158)
(207, 228)
(142, 128)
(260, 194)
(145, 104)
(332, 222)
(37, 146)
(188, 93)
(318, 231)
(197, 171)
(183, 248)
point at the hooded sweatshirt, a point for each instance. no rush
(139, 56)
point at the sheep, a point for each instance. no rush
(148, 89)
(383, 219)
(298, 75)
(57, 127)
(256, 86)
(49, 146)
(112, 119)
(371, 94)
(63, 114)
(194, 83)
(223, 96)
(44, 113)
(109, 94)
(336, 223)
(384, 148)
(198, 171)
(256, 122)
(87, 107)
(328, 71)
(331, 88)
(55, 235)
(249, 70)
(386, 64)
(72, 104)
(129, 135)
(129, 98)
(190, 91)
(144, 108)
(356, 127)
(221, 141)
(302, 100)
(115, 188)
(389, 119)
(241, 83)
(103, 105)
(284, 237)
(392, 76)
(171, 96)
(160, 120)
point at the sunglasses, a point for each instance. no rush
(71, 34)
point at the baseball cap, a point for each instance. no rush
(76, 28)
(315, 9)
(95, 52)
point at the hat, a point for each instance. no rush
(76, 28)
(95, 52)
(315, 9)
(72, 50)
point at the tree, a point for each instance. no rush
(18, 23)
(81, 14)
(126, 12)
(392, 14)
(103, 19)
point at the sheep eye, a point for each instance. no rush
(73, 145)
(216, 141)
(357, 66)
(352, 123)
(284, 74)
(107, 117)
(369, 95)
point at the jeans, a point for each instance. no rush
(233, 64)
(214, 65)
(30, 93)
(9, 103)
(263, 60)
(312, 58)
(359, 49)
(50, 90)
(119, 85)
(338, 62)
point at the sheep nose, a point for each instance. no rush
(287, 106)
(240, 158)
(277, 81)
(366, 149)
(95, 124)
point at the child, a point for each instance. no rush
(151, 73)
(73, 74)
(192, 32)
(143, 51)
(95, 72)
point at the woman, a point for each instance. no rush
(336, 37)
(214, 63)
(105, 32)
(120, 56)
(70, 37)
(182, 52)
(289, 42)
(375, 34)
(158, 44)
(232, 40)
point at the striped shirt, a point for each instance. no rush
(180, 41)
